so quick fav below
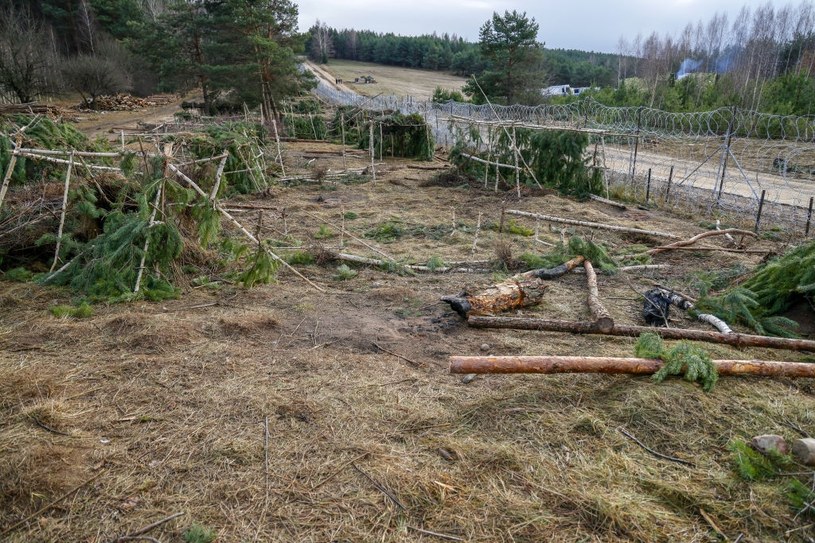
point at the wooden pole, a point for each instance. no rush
(648, 188)
(218, 175)
(63, 212)
(517, 169)
(146, 247)
(809, 216)
(602, 318)
(633, 366)
(342, 131)
(279, 151)
(587, 224)
(371, 145)
(670, 178)
(7, 178)
(760, 208)
(736, 340)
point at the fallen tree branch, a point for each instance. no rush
(406, 359)
(652, 451)
(694, 239)
(49, 505)
(142, 531)
(587, 224)
(735, 339)
(612, 365)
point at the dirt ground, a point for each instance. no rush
(281, 413)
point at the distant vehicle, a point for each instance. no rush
(566, 90)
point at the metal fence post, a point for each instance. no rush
(726, 151)
(760, 207)
(809, 216)
(636, 142)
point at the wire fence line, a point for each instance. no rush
(726, 162)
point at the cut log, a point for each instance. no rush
(557, 271)
(514, 293)
(736, 340)
(602, 318)
(634, 366)
(587, 224)
(606, 201)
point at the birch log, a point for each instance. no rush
(587, 224)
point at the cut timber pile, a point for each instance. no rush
(30, 109)
(127, 102)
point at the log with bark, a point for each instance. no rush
(602, 318)
(736, 340)
(514, 293)
(634, 366)
(523, 290)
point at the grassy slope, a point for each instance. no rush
(392, 79)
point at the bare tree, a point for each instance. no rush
(321, 42)
(26, 56)
(86, 26)
(98, 74)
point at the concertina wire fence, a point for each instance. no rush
(730, 163)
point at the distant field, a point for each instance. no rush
(392, 79)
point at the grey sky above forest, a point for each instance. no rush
(571, 24)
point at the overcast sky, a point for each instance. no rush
(594, 25)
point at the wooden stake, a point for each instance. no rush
(7, 178)
(63, 212)
(218, 175)
(342, 130)
(633, 366)
(517, 169)
(760, 207)
(371, 145)
(279, 150)
(809, 216)
(146, 247)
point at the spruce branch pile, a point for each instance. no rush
(683, 359)
(556, 158)
(576, 246)
(771, 290)
(137, 233)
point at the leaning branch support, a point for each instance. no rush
(601, 364)
(240, 227)
(736, 340)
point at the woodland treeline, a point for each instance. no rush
(758, 58)
(96, 47)
(451, 53)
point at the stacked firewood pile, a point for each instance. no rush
(127, 102)
(30, 109)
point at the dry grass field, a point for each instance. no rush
(281, 413)
(391, 79)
